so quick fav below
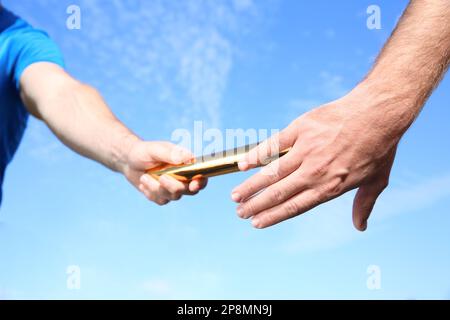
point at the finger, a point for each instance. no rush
(175, 188)
(169, 153)
(297, 205)
(268, 148)
(368, 194)
(267, 176)
(364, 202)
(155, 188)
(197, 184)
(152, 195)
(273, 195)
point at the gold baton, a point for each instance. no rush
(210, 165)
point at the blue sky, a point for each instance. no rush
(161, 65)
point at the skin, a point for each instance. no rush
(351, 143)
(79, 117)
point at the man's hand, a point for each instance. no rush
(146, 155)
(351, 143)
(335, 148)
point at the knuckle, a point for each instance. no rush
(270, 146)
(333, 189)
(270, 171)
(291, 208)
(272, 174)
(177, 196)
(277, 195)
(318, 171)
(249, 208)
(148, 195)
(253, 157)
(273, 218)
(321, 194)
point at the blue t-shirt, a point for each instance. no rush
(20, 46)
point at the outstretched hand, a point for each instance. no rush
(335, 148)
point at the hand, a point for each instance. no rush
(346, 144)
(145, 155)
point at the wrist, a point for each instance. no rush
(122, 150)
(391, 107)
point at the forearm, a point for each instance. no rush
(84, 123)
(412, 62)
(78, 116)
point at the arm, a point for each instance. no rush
(351, 142)
(79, 117)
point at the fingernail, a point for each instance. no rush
(236, 197)
(364, 225)
(255, 223)
(243, 165)
(189, 158)
(240, 211)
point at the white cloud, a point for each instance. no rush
(183, 50)
(182, 53)
(333, 85)
(42, 145)
(327, 87)
(203, 72)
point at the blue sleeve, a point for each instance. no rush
(30, 46)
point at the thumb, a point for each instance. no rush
(167, 152)
(364, 202)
